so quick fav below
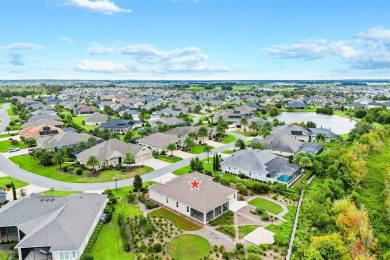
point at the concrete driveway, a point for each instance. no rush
(182, 154)
(155, 163)
(21, 152)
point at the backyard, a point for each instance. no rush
(267, 205)
(177, 220)
(189, 247)
(79, 121)
(28, 163)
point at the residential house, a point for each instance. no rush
(158, 142)
(40, 131)
(261, 165)
(3, 196)
(327, 133)
(131, 112)
(113, 152)
(202, 204)
(354, 105)
(120, 126)
(63, 140)
(96, 119)
(51, 227)
(43, 122)
(169, 121)
(167, 112)
(296, 104)
(183, 131)
(295, 131)
(84, 110)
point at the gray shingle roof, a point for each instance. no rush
(160, 140)
(64, 139)
(60, 223)
(281, 142)
(209, 196)
(96, 117)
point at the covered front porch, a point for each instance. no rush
(207, 217)
(38, 253)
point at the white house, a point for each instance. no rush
(194, 195)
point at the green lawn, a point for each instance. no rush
(245, 230)
(228, 152)
(169, 159)
(29, 164)
(246, 133)
(79, 121)
(177, 220)
(4, 145)
(187, 169)
(181, 171)
(60, 192)
(5, 135)
(10, 112)
(188, 247)
(104, 247)
(197, 149)
(229, 139)
(18, 184)
(267, 205)
(4, 256)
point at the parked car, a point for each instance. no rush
(11, 150)
(103, 217)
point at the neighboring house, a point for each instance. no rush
(40, 131)
(84, 110)
(207, 202)
(120, 126)
(261, 165)
(133, 113)
(96, 119)
(234, 115)
(43, 122)
(113, 151)
(295, 131)
(3, 196)
(63, 140)
(316, 131)
(158, 141)
(183, 131)
(296, 104)
(355, 105)
(167, 112)
(169, 121)
(51, 227)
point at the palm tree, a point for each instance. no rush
(129, 159)
(171, 147)
(207, 149)
(188, 142)
(59, 157)
(91, 141)
(92, 162)
(244, 122)
(82, 145)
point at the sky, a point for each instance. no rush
(195, 39)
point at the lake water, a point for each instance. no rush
(337, 124)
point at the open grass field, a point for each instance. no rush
(79, 121)
(6, 180)
(5, 145)
(169, 159)
(177, 220)
(179, 247)
(28, 163)
(267, 205)
(197, 149)
(245, 230)
(59, 192)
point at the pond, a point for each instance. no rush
(337, 124)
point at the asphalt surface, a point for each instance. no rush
(5, 119)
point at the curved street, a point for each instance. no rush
(12, 170)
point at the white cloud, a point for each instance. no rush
(101, 6)
(16, 59)
(369, 50)
(97, 49)
(100, 66)
(23, 46)
(66, 40)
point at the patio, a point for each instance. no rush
(37, 254)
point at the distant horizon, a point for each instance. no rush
(387, 80)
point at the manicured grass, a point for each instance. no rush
(228, 152)
(5, 145)
(188, 247)
(197, 149)
(181, 171)
(79, 121)
(29, 164)
(169, 159)
(10, 112)
(4, 256)
(18, 184)
(187, 169)
(60, 192)
(245, 230)
(267, 205)
(177, 220)
(229, 139)
(5, 135)
(246, 133)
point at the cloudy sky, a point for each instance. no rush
(199, 39)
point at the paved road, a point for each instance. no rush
(5, 119)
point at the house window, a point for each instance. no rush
(234, 196)
(64, 256)
(177, 204)
(73, 254)
(166, 200)
(188, 209)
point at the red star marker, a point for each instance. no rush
(194, 184)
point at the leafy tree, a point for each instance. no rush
(188, 142)
(244, 122)
(255, 126)
(137, 183)
(196, 164)
(240, 144)
(91, 141)
(142, 131)
(128, 136)
(257, 145)
(203, 132)
(327, 247)
(93, 162)
(60, 156)
(197, 108)
(274, 111)
(82, 145)
(8, 129)
(320, 137)
(311, 124)
(129, 159)
(171, 147)
(45, 158)
(30, 142)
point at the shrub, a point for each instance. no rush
(113, 200)
(86, 256)
(260, 211)
(14, 142)
(148, 203)
(244, 192)
(126, 246)
(265, 216)
(8, 185)
(65, 168)
(252, 256)
(118, 166)
(224, 219)
(70, 168)
(255, 249)
(228, 230)
(157, 248)
(79, 171)
(108, 192)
